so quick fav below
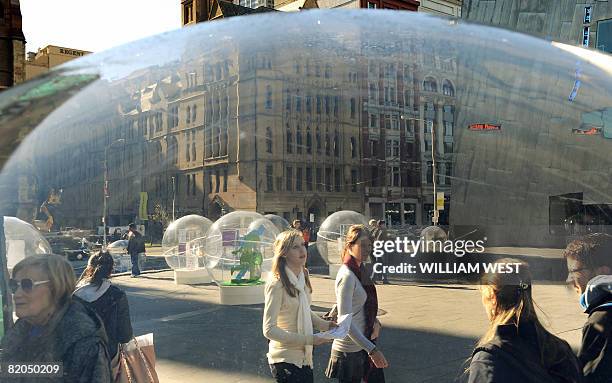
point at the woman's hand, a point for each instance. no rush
(379, 359)
(376, 330)
(317, 340)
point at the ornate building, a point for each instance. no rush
(12, 44)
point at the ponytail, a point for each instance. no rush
(99, 267)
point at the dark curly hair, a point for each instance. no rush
(594, 250)
(99, 267)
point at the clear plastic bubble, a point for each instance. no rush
(332, 233)
(183, 242)
(22, 240)
(239, 248)
(278, 221)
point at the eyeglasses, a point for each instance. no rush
(26, 284)
(571, 273)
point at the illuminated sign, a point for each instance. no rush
(594, 131)
(484, 127)
(72, 52)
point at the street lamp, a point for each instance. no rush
(105, 190)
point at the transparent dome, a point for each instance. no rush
(278, 221)
(332, 233)
(416, 120)
(183, 242)
(239, 248)
(22, 240)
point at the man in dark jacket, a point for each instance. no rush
(136, 246)
(589, 262)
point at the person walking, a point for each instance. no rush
(589, 262)
(288, 321)
(516, 347)
(54, 327)
(357, 357)
(107, 300)
(136, 247)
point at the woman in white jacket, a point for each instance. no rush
(288, 320)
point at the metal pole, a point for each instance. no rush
(104, 189)
(173, 198)
(433, 166)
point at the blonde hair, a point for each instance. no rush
(354, 233)
(58, 271)
(283, 243)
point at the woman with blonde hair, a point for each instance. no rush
(356, 357)
(52, 327)
(516, 347)
(288, 320)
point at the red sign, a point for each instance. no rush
(590, 132)
(484, 127)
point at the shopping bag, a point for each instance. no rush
(137, 361)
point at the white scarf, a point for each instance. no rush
(304, 320)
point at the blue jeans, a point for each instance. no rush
(135, 268)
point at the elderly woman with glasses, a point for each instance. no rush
(52, 327)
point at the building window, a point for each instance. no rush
(309, 179)
(327, 71)
(318, 139)
(337, 179)
(298, 102)
(289, 178)
(430, 85)
(354, 180)
(448, 147)
(318, 104)
(187, 13)
(224, 180)
(269, 178)
(268, 140)
(428, 125)
(308, 140)
(336, 105)
(429, 175)
(318, 70)
(289, 140)
(319, 180)
(194, 113)
(393, 176)
(327, 144)
(374, 148)
(604, 35)
(187, 115)
(268, 97)
(372, 5)
(287, 100)
(427, 146)
(309, 103)
(298, 140)
(394, 122)
(353, 147)
(298, 179)
(373, 121)
(327, 105)
(448, 128)
(336, 145)
(217, 181)
(188, 188)
(353, 107)
(447, 89)
(328, 180)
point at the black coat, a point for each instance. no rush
(113, 308)
(514, 356)
(596, 350)
(74, 335)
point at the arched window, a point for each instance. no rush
(430, 85)
(188, 115)
(448, 89)
(194, 113)
(327, 144)
(318, 139)
(268, 97)
(268, 140)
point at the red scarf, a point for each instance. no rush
(371, 304)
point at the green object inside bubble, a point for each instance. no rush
(56, 85)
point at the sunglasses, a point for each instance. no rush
(26, 284)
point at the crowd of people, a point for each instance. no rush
(83, 323)
(515, 348)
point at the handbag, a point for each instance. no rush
(137, 361)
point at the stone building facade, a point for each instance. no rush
(12, 44)
(49, 57)
(584, 22)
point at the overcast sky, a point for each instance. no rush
(94, 25)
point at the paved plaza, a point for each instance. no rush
(429, 330)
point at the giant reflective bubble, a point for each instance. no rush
(331, 236)
(419, 121)
(183, 242)
(22, 240)
(239, 248)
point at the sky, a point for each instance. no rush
(94, 25)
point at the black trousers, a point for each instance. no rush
(135, 268)
(290, 373)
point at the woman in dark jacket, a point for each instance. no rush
(52, 327)
(517, 348)
(109, 302)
